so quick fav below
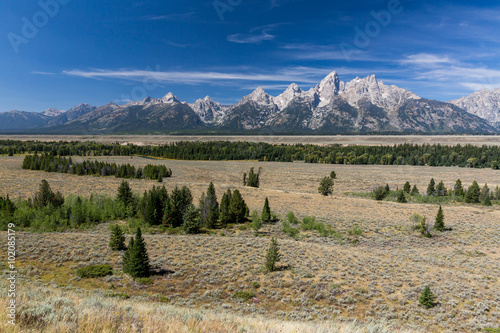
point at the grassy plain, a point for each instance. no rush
(371, 140)
(375, 276)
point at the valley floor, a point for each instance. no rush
(371, 140)
(374, 276)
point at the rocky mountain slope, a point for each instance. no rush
(484, 104)
(359, 106)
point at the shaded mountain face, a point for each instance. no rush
(359, 106)
(484, 104)
(73, 113)
(164, 114)
(22, 120)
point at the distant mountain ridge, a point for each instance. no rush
(484, 104)
(333, 106)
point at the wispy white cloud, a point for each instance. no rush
(295, 74)
(426, 59)
(307, 51)
(255, 36)
(167, 17)
(438, 70)
(43, 73)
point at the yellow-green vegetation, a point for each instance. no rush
(370, 275)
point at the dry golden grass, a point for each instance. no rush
(379, 277)
(57, 310)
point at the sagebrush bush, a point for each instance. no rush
(94, 271)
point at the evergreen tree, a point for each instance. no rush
(487, 201)
(210, 208)
(256, 222)
(180, 199)
(387, 188)
(414, 190)
(473, 193)
(427, 298)
(439, 224)
(44, 196)
(407, 187)
(424, 228)
(485, 192)
(138, 260)
(237, 207)
(380, 193)
(458, 190)
(124, 193)
(126, 256)
(401, 196)
(431, 190)
(496, 196)
(266, 212)
(253, 178)
(117, 240)
(326, 186)
(150, 213)
(225, 214)
(441, 190)
(191, 220)
(273, 256)
(333, 175)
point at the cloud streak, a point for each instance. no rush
(256, 35)
(296, 74)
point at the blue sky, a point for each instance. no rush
(101, 51)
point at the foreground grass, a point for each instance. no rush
(48, 309)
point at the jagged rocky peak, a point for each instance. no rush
(287, 96)
(52, 112)
(259, 96)
(207, 109)
(169, 98)
(148, 100)
(329, 87)
(369, 88)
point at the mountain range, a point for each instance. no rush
(363, 105)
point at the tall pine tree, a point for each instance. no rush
(266, 212)
(138, 259)
(225, 214)
(124, 193)
(117, 239)
(273, 256)
(458, 190)
(439, 224)
(431, 189)
(210, 208)
(237, 207)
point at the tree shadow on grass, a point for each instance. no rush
(161, 272)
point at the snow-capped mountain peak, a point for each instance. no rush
(52, 112)
(329, 87)
(259, 96)
(287, 96)
(484, 104)
(169, 98)
(207, 109)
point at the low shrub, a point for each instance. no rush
(94, 271)
(244, 295)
